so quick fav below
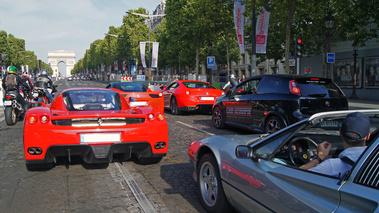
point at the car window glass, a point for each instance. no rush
(173, 86)
(197, 85)
(315, 87)
(247, 87)
(88, 100)
(269, 85)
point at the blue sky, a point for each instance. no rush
(50, 25)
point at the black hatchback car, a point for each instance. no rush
(268, 103)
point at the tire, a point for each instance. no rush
(39, 166)
(149, 160)
(174, 106)
(218, 118)
(273, 124)
(211, 193)
(10, 116)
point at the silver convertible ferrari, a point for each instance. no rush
(261, 173)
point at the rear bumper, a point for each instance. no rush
(196, 107)
(97, 153)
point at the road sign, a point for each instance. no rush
(308, 70)
(330, 58)
(140, 77)
(124, 79)
(211, 62)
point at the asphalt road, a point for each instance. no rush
(121, 187)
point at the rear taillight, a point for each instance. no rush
(44, 119)
(151, 117)
(187, 92)
(160, 94)
(294, 87)
(32, 119)
(160, 116)
(8, 96)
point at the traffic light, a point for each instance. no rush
(298, 47)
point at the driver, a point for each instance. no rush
(355, 131)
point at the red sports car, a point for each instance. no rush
(138, 94)
(188, 95)
(93, 124)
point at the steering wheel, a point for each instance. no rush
(297, 151)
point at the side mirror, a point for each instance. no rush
(245, 152)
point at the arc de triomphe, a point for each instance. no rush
(67, 57)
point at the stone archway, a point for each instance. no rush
(67, 57)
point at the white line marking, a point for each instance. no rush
(200, 130)
(137, 192)
(2, 119)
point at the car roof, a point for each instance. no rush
(286, 76)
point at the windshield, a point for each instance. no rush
(198, 85)
(88, 100)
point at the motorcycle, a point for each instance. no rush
(39, 96)
(12, 108)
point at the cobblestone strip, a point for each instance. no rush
(137, 192)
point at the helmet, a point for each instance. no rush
(43, 72)
(231, 76)
(12, 69)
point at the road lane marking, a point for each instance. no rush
(2, 119)
(197, 129)
(136, 190)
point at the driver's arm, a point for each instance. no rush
(323, 150)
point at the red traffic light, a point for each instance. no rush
(299, 40)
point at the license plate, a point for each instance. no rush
(100, 138)
(7, 103)
(207, 98)
(138, 103)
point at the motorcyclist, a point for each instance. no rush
(11, 84)
(28, 91)
(232, 82)
(43, 81)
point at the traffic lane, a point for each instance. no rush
(61, 189)
(172, 178)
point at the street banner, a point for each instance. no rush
(27, 69)
(155, 55)
(116, 65)
(261, 31)
(239, 21)
(142, 50)
(133, 69)
(102, 68)
(124, 66)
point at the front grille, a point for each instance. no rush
(93, 122)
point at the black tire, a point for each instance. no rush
(209, 180)
(39, 166)
(10, 116)
(273, 124)
(174, 106)
(149, 160)
(218, 118)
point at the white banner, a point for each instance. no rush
(155, 55)
(261, 31)
(142, 50)
(102, 68)
(239, 21)
(116, 65)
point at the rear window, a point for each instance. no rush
(198, 85)
(131, 87)
(314, 87)
(88, 100)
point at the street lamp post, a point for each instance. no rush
(329, 21)
(354, 92)
(149, 22)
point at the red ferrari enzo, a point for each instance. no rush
(138, 94)
(188, 95)
(93, 124)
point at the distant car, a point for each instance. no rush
(188, 95)
(268, 103)
(69, 78)
(138, 94)
(93, 124)
(261, 172)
